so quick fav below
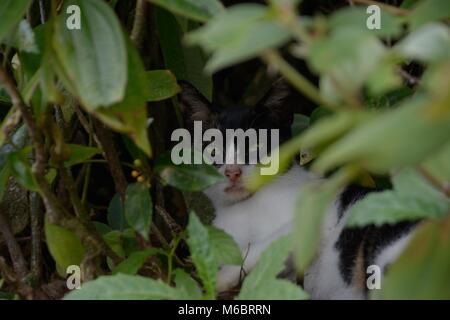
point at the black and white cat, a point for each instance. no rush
(256, 220)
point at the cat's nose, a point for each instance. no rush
(233, 172)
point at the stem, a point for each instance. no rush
(273, 58)
(137, 33)
(36, 235)
(433, 181)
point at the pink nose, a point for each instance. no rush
(233, 172)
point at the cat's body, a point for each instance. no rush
(255, 220)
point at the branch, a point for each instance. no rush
(105, 138)
(137, 33)
(36, 214)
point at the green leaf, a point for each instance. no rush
(438, 164)
(238, 34)
(430, 43)
(300, 124)
(94, 58)
(412, 198)
(125, 287)
(200, 10)
(21, 168)
(355, 18)
(79, 154)
(188, 177)
(384, 143)
(186, 283)
(262, 284)
(64, 246)
(139, 208)
(162, 85)
(421, 272)
(224, 247)
(134, 262)
(428, 10)
(202, 254)
(313, 201)
(116, 214)
(11, 12)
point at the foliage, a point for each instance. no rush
(76, 103)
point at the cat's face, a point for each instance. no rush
(270, 113)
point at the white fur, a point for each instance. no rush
(256, 222)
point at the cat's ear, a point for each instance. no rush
(194, 106)
(276, 103)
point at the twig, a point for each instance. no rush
(17, 258)
(36, 235)
(107, 144)
(137, 32)
(55, 210)
(411, 79)
(433, 181)
(273, 58)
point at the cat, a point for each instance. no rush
(255, 220)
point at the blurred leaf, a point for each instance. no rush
(383, 143)
(24, 38)
(79, 154)
(422, 271)
(313, 201)
(262, 284)
(383, 79)
(428, 44)
(116, 215)
(93, 59)
(224, 247)
(438, 165)
(200, 10)
(238, 34)
(125, 287)
(114, 239)
(162, 85)
(428, 10)
(202, 254)
(186, 283)
(64, 246)
(355, 18)
(301, 122)
(188, 177)
(412, 198)
(134, 262)
(11, 12)
(21, 168)
(139, 208)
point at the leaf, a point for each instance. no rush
(428, 10)
(130, 115)
(125, 287)
(202, 254)
(312, 203)
(412, 198)
(224, 247)
(186, 283)
(355, 18)
(384, 142)
(134, 262)
(186, 63)
(24, 38)
(139, 208)
(422, 270)
(116, 214)
(162, 85)
(200, 10)
(240, 33)
(11, 12)
(438, 164)
(64, 246)
(79, 154)
(300, 124)
(262, 284)
(94, 58)
(430, 43)
(188, 177)
(21, 169)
